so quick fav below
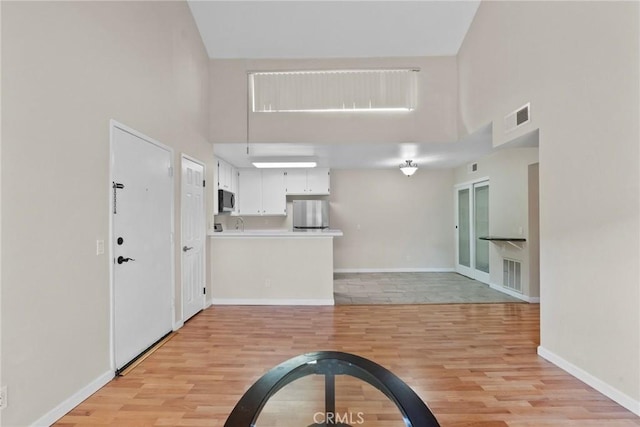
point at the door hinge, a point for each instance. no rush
(204, 291)
(171, 171)
(204, 183)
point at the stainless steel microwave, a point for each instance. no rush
(226, 201)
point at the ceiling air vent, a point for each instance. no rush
(517, 118)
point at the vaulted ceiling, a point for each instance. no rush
(332, 29)
(344, 29)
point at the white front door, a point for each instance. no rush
(193, 237)
(141, 212)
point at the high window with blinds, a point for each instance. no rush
(335, 90)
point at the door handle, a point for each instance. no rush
(122, 259)
(186, 248)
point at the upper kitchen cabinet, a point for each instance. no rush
(307, 181)
(261, 192)
(227, 176)
(274, 199)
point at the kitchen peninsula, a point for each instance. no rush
(272, 267)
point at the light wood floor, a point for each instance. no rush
(473, 364)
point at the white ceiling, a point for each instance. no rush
(350, 29)
(332, 29)
(373, 156)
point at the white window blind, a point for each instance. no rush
(336, 90)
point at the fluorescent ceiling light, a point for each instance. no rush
(285, 165)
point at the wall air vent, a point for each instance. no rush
(472, 167)
(517, 118)
(511, 274)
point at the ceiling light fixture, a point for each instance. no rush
(409, 168)
(285, 165)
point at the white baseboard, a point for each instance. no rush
(63, 408)
(612, 393)
(532, 300)
(207, 303)
(395, 270)
(178, 325)
(271, 301)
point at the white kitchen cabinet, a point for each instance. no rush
(233, 183)
(296, 181)
(274, 198)
(307, 181)
(261, 192)
(250, 194)
(227, 176)
(318, 181)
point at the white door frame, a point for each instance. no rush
(113, 124)
(204, 232)
(470, 271)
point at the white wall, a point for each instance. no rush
(391, 221)
(68, 68)
(577, 63)
(508, 173)
(435, 118)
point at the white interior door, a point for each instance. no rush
(464, 249)
(472, 222)
(193, 237)
(141, 243)
(481, 228)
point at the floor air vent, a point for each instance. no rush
(511, 277)
(517, 118)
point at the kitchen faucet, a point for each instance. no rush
(239, 221)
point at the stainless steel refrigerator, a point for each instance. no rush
(310, 214)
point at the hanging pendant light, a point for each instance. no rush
(409, 168)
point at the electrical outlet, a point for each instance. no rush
(3, 397)
(267, 283)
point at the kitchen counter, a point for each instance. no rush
(272, 267)
(276, 233)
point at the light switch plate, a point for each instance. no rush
(99, 247)
(3, 397)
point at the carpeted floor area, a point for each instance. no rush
(412, 288)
